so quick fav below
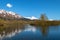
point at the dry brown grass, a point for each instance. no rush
(8, 26)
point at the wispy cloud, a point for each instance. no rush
(9, 5)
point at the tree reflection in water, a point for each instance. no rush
(43, 29)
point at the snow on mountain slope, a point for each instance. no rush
(50, 19)
(32, 18)
(2, 11)
(9, 13)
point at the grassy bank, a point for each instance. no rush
(8, 26)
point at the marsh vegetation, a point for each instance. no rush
(8, 26)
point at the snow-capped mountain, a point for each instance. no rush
(12, 15)
(51, 20)
(9, 14)
(32, 18)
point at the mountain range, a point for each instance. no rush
(12, 15)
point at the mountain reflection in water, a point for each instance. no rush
(32, 33)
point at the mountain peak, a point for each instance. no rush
(2, 11)
(9, 13)
(32, 17)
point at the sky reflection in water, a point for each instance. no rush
(31, 33)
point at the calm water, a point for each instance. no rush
(31, 33)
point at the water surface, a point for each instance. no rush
(32, 33)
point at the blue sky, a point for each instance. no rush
(33, 7)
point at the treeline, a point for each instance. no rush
(44, 23)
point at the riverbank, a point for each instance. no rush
(8, 26)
